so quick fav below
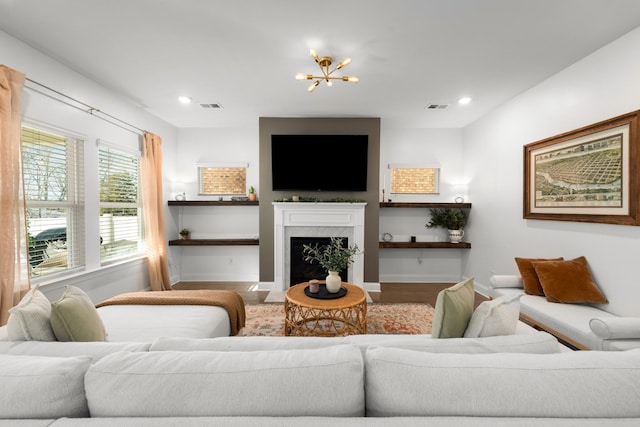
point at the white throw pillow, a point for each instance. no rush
(30, 320)
(616, 327)
(495, 317)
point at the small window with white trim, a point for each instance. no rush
(408, 179)
(222, 179)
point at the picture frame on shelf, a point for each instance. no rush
(589, 174)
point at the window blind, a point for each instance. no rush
(120, 206)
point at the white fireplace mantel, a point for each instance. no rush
(303, 219)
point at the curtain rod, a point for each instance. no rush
(96, 112)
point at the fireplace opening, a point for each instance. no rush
(303, 271)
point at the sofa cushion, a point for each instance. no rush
(317, 382)
(495, 317)
(568, 281)
(42, 387)
(30, 318)
(569, 320)
(74, 317)
(454, 307)
(530, 280)
(95, 350)
(534, 342)
(410, 383)
(146, 322)
(616, 327)
(257, 343)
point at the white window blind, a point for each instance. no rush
(120, 207)
(54, 190)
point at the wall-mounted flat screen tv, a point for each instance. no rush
(319, 162)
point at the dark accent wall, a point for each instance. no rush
(356, 126)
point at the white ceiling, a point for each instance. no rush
(244, 54)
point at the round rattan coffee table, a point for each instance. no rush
(306, 316)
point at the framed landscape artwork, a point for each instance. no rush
(589, 175)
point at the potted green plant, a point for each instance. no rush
(184, 234)
(252, 193)
(453, 220)
(333, 257)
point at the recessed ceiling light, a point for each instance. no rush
(464, 100)
(184, 99)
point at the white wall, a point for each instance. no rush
(601, 86)
(99, 283)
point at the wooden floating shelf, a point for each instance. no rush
(215, 242)
(214, 203)
(424, 245)
(425, 205)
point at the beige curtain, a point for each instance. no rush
(153, 207)
(14, 271)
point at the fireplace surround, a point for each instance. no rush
(309, 219)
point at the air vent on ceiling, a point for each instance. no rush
(211, 105)
(436, 106)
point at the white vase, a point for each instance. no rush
(333, 282)
(455, 236)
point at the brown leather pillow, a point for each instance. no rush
(530, 281)
(568, 281)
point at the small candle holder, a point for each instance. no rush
(314, 286)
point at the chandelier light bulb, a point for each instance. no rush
(329, 83)
(313, 86)
(313, 54)
(184, 99)
(301, 76)
(346, 61)
(464, 100)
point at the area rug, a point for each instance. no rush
(268, 319)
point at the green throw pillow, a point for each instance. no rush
(454, 308)
(75, 318)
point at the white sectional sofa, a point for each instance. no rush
(517, 380)
(581, 326)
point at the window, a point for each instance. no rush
(54, 191)
(120, 206)
(222, 179)
(415, 180)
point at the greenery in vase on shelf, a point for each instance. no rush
(451, 219)
(331, 257)
(184, 233)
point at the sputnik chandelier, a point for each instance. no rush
(324, 62)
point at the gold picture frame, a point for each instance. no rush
(589, 174)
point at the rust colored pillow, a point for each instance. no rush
(530, 281)
(568, 281)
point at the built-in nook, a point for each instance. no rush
(316, 220)
(303, 271)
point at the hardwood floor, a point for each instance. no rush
(390, 293)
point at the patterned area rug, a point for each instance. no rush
(268, 319)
